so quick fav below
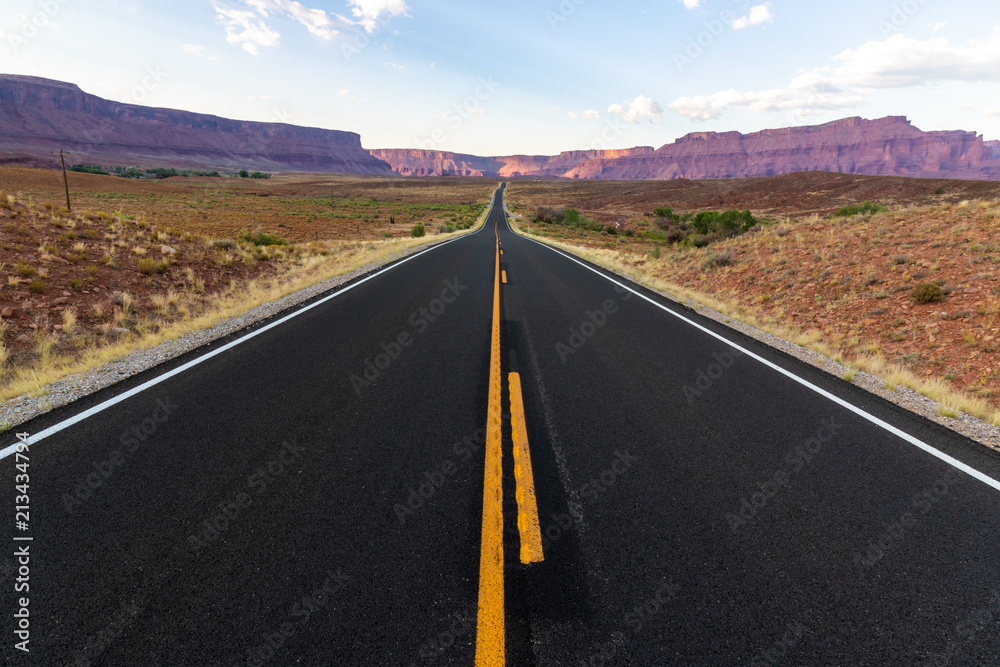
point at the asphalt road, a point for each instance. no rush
(313, 494)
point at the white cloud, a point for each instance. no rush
(245, 29)
(316, 21)
(251, 98)
(199, 51)
(396, 66)
(758, 15)
(936, 26)
(692, 4)
(246, 26)
(369, 11)
(589, 114)
(635, 110)
(895, 62)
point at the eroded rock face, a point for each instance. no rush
(995, 147)
(40, 115)
(889, 146)
(415, 162)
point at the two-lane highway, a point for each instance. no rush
(323, 492)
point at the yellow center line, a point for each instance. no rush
(504, 277)
(490, 645)
(527, 507)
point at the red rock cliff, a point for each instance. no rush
(39, 115)
(887, 146)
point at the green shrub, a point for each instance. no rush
(418, 230)
(258, 174)
(927, 293)
(720, 259)
(550, 215)
(864, 208)
(37, 286)
(148, 266)
(161, 173)
(88, 170)
(572, 217)
(24, 269)
(260, 238)
(698, 240)
(665, 212)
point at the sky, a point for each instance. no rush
(524, 76)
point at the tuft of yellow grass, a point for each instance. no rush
(331, 259)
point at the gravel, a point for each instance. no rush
(74, 387)
(69, 389)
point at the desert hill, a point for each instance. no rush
(38, 116)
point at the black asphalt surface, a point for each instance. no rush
(313, 495)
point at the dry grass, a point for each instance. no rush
(191, 311)
(760, 301)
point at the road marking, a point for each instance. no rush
(504, 277)
(916, 442)
(490, 635)
(101, 407)
(527, 506)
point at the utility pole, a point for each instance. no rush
(62, 158)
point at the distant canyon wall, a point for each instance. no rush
(38, 116)
(889, 146)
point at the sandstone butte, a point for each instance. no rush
(38, 116)
(889, 146)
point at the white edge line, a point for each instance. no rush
(986, 479)
(100, 407)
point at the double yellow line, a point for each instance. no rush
(490, 633)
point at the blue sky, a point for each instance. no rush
(535, 77)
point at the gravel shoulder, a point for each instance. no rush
(74, 387)
(971, 427)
